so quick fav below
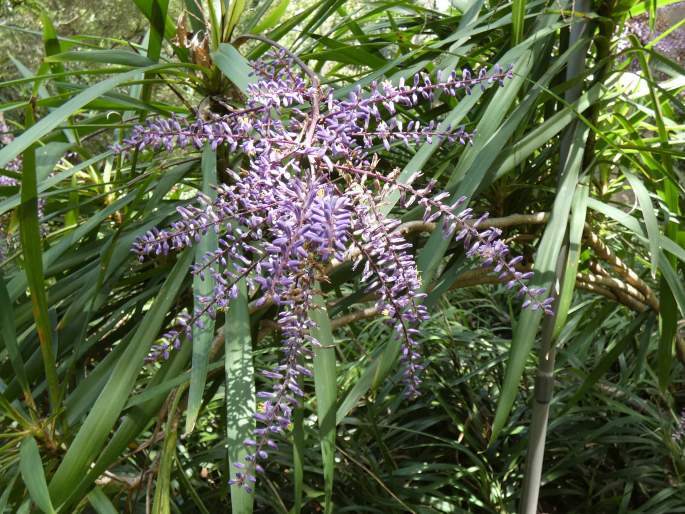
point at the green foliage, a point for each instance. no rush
(88, 426)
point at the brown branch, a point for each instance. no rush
(632, 292)
(537, 218)
(614, 290)
(612, 294)
(604, 252)
(346, 319)
(614, 284)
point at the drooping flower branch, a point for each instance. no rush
(311, 194)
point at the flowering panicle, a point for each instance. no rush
(309, 197)
(391, 270)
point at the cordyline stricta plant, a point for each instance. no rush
(313, 196)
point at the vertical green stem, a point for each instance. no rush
(544, 388)
(571, 143)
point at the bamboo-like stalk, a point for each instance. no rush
(544, 388)
(544, 380)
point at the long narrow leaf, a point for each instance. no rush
(104, 414)
(32, 251)
(203, 285)
(33, 475)
(326, 389)
(52, 120)
(240, 392)
(545, 262)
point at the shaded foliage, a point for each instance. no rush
(578, 158)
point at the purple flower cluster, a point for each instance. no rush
(311, 197)
(390, 269)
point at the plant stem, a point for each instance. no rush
(544, 388)
(544, 379)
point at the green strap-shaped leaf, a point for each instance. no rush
(325, 387)
(33, 475)
(13, 413)
(383, 360)
(161, 503)
(152, 11)
(32, 253)
(158, 18)
(166, 386)
(518, 13)
(99, 501)
(121, 57)
(675, 283)
(8, 336)
(203, 285)
(4, 497)
(538, 136)
(272, 17)
(232, 17)
(104, 414)
(234, 66)
(240, 392)
(648, 216)
(576, 226)
(50, 39)
(52, 120)
(195, 15)
(298, 460)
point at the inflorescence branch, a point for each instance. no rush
(311, 195)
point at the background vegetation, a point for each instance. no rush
(579, 158)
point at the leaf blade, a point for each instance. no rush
(240, 392)
(33, 475)
(105, 412)
(202, 287)
(325, 389)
